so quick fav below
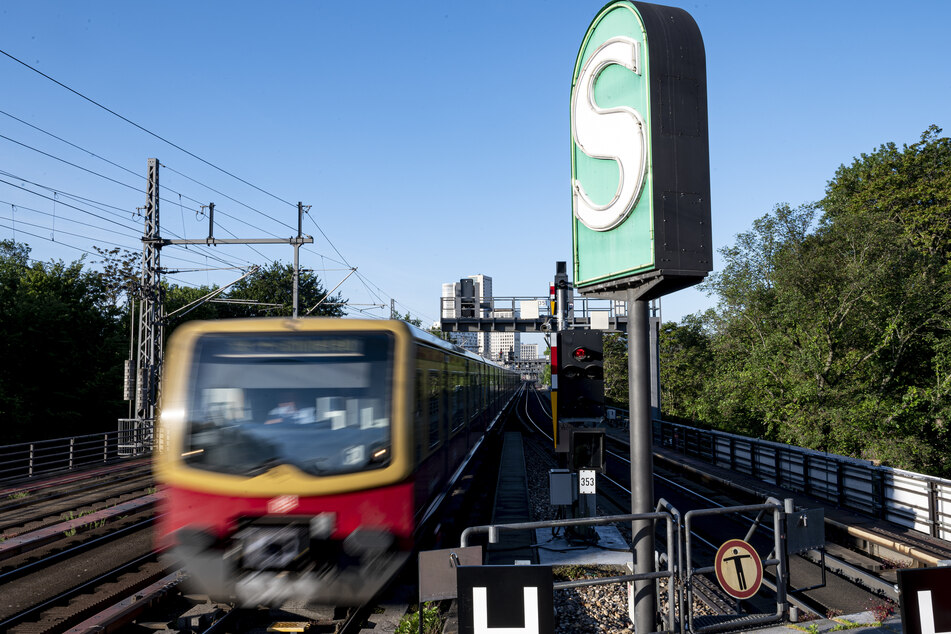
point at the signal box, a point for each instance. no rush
(580, 374)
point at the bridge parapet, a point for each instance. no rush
(529, 314)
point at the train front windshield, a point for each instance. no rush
(320, 402)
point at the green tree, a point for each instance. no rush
(411, 320)
(546, 372)
(61, 349)
(272, 287)
(616, 389)
(442, 334)
(832, 322)
(686, 362)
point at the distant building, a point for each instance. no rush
(481, 306)
(504, 346)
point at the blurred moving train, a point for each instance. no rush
(299, 459)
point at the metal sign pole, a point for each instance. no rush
(642, 478)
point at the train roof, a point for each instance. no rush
(417, 333)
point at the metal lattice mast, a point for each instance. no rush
(149, 356)
(137, 432)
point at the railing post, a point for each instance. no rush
(840, 484)
(754, 459)
(933, 508)
(878, 493)
(805, 474)
(778, 460)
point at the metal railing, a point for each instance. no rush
(23, 461)
(776, 558)
(135, 436)
(671, 517)
(905, 498)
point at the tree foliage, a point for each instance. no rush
(616, 389)
(831, 330)
(61, 349)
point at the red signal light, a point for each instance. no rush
(580, 354)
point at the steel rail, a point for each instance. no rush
(72, 592)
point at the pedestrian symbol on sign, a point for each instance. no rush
(739, 569)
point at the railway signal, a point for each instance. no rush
(580, 374)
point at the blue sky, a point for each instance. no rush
(430, 139)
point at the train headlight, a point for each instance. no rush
(380, 455)
(264, 548)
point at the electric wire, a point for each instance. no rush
(65, 244)
(230, 264)
(71, 164)
(100, 175)
(68, 233)
(210, 188)
(96, 240)
(88, 201)
(139, 175)
(67, 219)
(362, 278)
(62, 203)
(143, 129)
(91, 153)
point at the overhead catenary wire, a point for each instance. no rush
(97, 240)
(66, 219)
(67, 233)
(220, 193)
(142, 176)
(143, 129)
(91, 202)
(66, 244)
(70, 163)
(209, 296)
(91, 153)
(362, 278)
(62, 203)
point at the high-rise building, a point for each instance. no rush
(479, 306)
(503, 345)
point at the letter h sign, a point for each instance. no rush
(505, 600)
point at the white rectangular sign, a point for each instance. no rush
(586, 482)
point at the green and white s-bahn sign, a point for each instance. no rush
(640, 165)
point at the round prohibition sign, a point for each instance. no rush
(739, 569)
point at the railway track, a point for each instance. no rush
(31, 507)
(96, 570)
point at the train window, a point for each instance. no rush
(418, 413)
(318, 401)
(435, 394)
(471, 395)
(418, 395)
(458, 400)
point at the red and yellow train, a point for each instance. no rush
(299, 459)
